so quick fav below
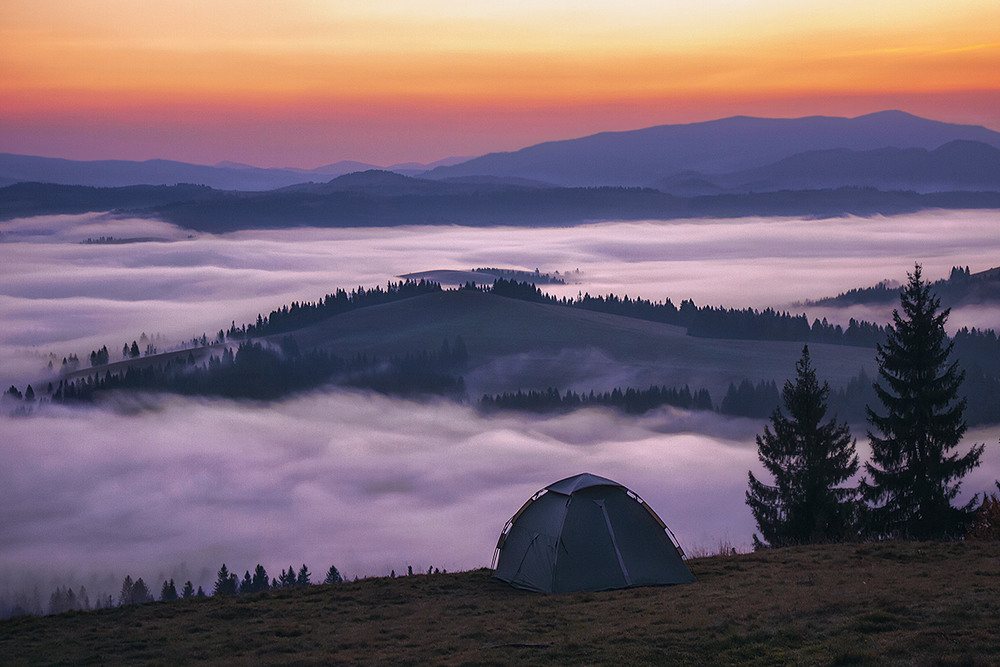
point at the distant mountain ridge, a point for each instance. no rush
(647, 156)
(887, 150)
(880, 164)
(385, 199)
(957, 165)
(221, 176)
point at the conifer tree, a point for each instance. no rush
(125, 595)
(246, 586)
(914, 473)
(808, 458)
(260, 580)
(226, 582)
(304, 576)
(188, 590)
(333, 576)
(168, 591)
(140, 592)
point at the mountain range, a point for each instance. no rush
(221, 176)
(653, 156)
(885, 163)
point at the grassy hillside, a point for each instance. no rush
(516, 344)
(887, 603)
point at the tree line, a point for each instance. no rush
(137, 591)
(631, 401)
(256, 370)
(706, 321)
(961, 285)
(303, 314)
(915, 425)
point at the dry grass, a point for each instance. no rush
(887, 603)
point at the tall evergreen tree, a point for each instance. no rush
(226, 582)
(287, 579)
(140, 592)
(260, 581)
(914, 474)
(808, 459)
(168, 591)
(246, 586)
(125, 595)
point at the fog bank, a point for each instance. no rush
(362, 481)
(160, 487)
(60, 296)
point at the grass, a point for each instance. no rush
(850, 604)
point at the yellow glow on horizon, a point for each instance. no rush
(58, 57)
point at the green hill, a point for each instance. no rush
(516, 344)
(886, 603)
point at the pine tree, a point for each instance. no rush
(125, 595)
(246, 586)
(188, 590)
(304, 576)
(808, 459)
(140, 592)
(168, 591)
(333, 576)
(914, 478)
(226, 582)
(260, 581)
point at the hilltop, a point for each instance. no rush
(516, 344)
(884, 603)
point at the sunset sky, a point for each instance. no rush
(308, 82)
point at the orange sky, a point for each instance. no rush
(308, 82)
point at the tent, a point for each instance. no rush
(587, 533)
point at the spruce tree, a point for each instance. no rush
(333, 576)
(808, 458)
(168, 591)
(914, 473)
(125, 595)
(260, 580)
(226, 582)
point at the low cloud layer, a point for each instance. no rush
(361, 481)
(60, 296)
(170, 487)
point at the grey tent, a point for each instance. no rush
(587, 533)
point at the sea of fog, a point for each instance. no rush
(168, 487)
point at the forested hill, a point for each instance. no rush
(519, 348)
(382, 199)
(960, 288)
(708, 321)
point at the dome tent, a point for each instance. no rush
(587, 533)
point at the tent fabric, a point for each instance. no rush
(587, 533)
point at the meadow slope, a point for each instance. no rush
(885, 603)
